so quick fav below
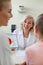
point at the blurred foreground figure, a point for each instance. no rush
(5, 15)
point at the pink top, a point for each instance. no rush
(34, 54)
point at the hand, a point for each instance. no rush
(13, 49)
(25, 31)
(23, 63)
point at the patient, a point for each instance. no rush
(34, 53)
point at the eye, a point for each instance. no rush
(25, 21)
(9, 11)
(29, 22)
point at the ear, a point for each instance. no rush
(35, 30)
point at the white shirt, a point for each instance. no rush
(24, 42)
(30, 40)
(5, 51)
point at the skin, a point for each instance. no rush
(27, 24)
(34, 53)
(5, 13)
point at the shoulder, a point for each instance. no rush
(31, 48)
(17, 30)
(3, 38)
(2, 34)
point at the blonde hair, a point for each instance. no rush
(32, 20)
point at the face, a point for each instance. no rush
(28, 23)
(5, 13)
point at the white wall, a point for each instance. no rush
(35, 7)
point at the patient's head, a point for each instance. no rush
(39, 25)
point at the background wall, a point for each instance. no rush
(34, 8)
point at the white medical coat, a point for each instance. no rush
(24, 42)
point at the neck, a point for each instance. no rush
(26, 34)
(41, 38)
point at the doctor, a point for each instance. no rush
(5, 15)
(25, 36)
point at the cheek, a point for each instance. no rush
(5, 16)
(29, 26)
(24, 25)
(8, 16)
(5, 19)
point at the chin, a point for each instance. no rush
(6, 25)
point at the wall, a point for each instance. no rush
(34, 7)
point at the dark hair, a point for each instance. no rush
(39, 23)
(1, 3)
